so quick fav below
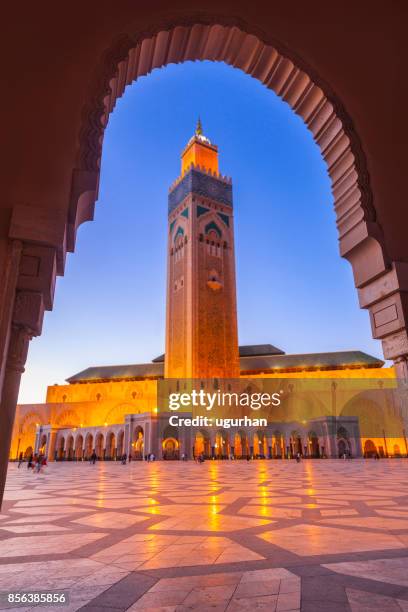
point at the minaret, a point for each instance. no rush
(201, 323)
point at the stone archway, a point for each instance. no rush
(313, 445)
(241, 445)
(295, 444)
(88, 446)
(61, 448)
(138, 442)
(69, 448)
(260, 445)
(370, 449)
(381, 282)
(43, 444)
(99, 448)
(202, 444)
(170, 449)
(79, 443)
(278, 450)
(110, 448)
(296, 83)
(170, 443)
(222, 444)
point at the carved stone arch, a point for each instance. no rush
(251, 50)
(99, 444)
(30, 417)
(68, 417)
(79, 446)
(179, 234)
(110, 444)
(116, 415)
(246, 47)
(89, 445)
(213, 228)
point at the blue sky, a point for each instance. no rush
(293, 289)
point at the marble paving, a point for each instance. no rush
(319, 536)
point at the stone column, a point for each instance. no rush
(147, 442)
(38, 434)
(26, 322)
(401, 367)
(126, 440)
(130, 437)
(51, 444)
(386, 298)
(9, 277)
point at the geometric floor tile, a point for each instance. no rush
(222, 536)
(372, 522)
(392, 571)
(112, 520)
(305, 540)
(44, 544)
(363, 601)
(259, 590)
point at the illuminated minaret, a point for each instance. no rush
(201, 323)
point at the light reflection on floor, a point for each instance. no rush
(242, 528)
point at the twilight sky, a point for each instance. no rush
(293, 288)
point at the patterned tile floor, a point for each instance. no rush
(317, 536)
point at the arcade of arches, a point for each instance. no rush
(50, 187)
(339, 421)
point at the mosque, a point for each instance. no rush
(112, 410)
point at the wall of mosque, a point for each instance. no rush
(99, 410)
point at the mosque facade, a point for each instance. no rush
(113, 410)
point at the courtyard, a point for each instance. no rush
(322, 535)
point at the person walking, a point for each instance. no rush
(20, 459)
(30, 462)
(124, 459)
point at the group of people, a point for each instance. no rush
(36, 462)
(125, 459)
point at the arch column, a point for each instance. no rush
(37, 441)
(27, 319)
(126, 439)
(52, 439)
(250, 442)
(386, 298)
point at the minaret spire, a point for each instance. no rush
(199, 128)
(200, 152)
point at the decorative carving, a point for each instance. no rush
(221, 38)
(201, 184)
(95, 113)
(176, 38)
(29, 312)
(18, 349)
